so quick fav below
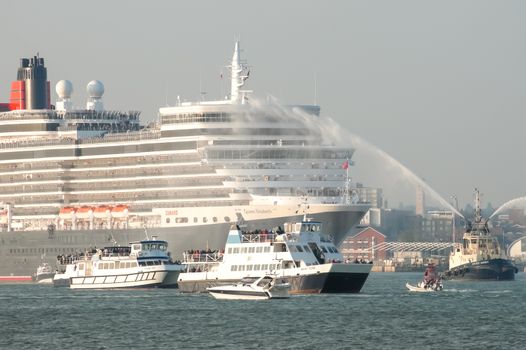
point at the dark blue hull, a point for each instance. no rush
(330, 282)
(491, 270)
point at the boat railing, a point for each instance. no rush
(202, 257)
(260, 237)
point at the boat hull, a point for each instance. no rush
(328, 278)
(491, 270)
(146, 279)
(420, 289)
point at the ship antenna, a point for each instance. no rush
(146, 233)
(478, 212)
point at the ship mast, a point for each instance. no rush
(237, 77)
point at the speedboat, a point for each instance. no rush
(141, 264)
(250, 288)
(430, 283)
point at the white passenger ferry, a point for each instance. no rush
(301, 254)
(142, 264)
(72, 177)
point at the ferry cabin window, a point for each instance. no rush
(214, 219)
(266, 249)
(299, 249)
(136, 247)
(323, 249)
(81, 267)
(243, 250)
(205, 219)
(233, 268)
(134, 264)
(227, 219)
(229, 251)
(257, 267)
(249, 267)
(306, 248)
(241, 268)
(196, 219)
(167, 220)
(236, 250)
(251, 249)
(259, 249)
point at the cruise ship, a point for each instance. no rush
(76, 177)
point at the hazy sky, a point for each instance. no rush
(440, 86)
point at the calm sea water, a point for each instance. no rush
(466, 315)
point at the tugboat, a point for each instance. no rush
(430, 283)
(479, 257)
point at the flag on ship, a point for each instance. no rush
(345, 164)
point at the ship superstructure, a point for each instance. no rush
(71, 176)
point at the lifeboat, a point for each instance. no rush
(102, 211)
(84, 212)
(67, 212)
(120, 211)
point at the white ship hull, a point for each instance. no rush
(146, 278)
(21, 251)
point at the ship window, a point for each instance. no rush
(300, 249)
(323, 249)
(259, 249)
(214, 219)
(229, 251)
(244, 250)
(181, 220)
(249, 267)
(133, 264)
(241, 268)
(251, 249)
(292, 249)
(236, 250)
(306, 248)
(111, 266)
(233, 268)
(335, 250)
(205, 219)
(227, 219)
(257, 267)
(196, 219)
(264, 266)
(81, 267)
(167, 220)
(266, 249)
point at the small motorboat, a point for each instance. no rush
(430, 283)
(253, 288)
(44, 274)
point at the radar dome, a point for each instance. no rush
(64, 89)
(95, 89)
